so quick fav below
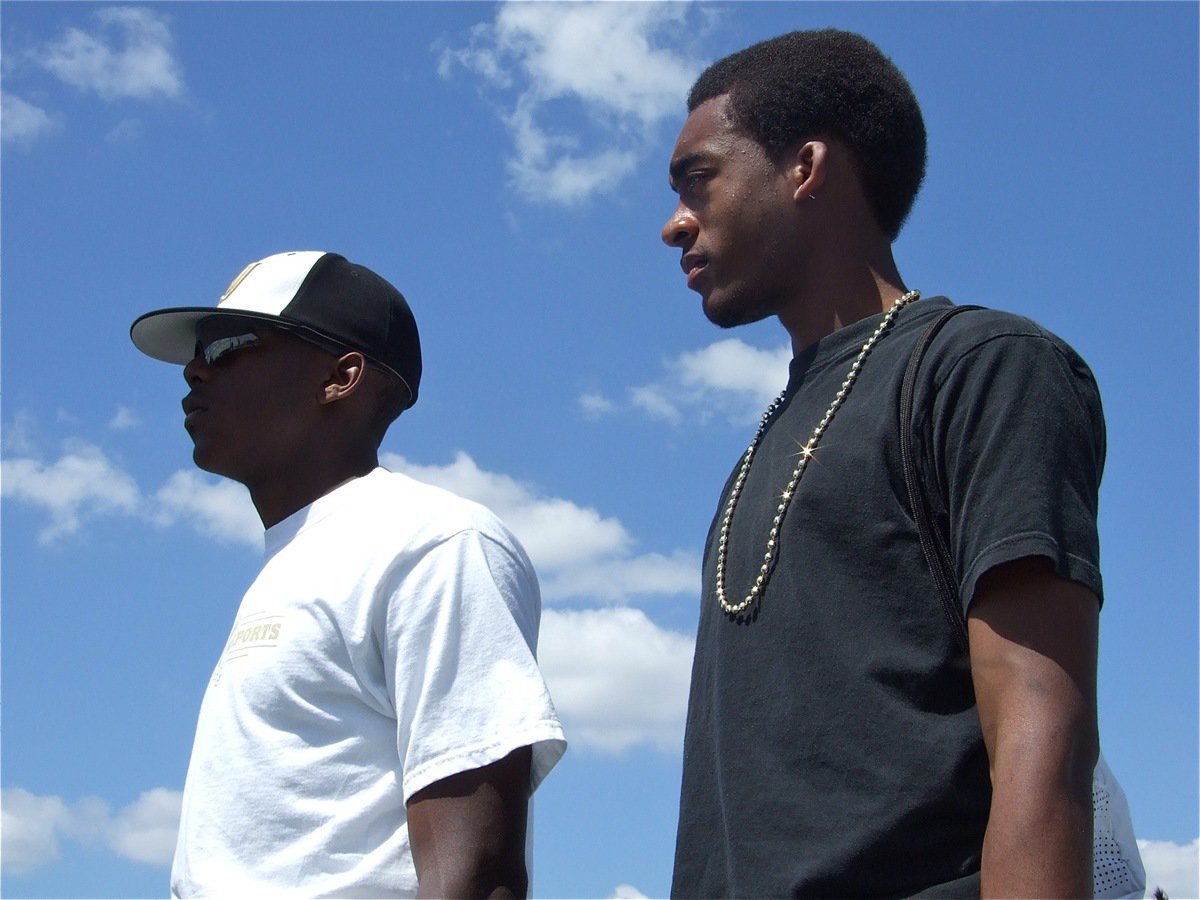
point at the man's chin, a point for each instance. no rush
(206, 461)
(717, 313)
(729, 314)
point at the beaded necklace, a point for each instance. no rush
(806, 452)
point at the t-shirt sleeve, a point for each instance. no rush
(1018, 448)
(459, 654)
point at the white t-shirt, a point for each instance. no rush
(387, 643)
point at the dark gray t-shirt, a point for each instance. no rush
(833, 746)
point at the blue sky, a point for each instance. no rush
(505, 166)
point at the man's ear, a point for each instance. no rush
(345, 379)
(807, 168)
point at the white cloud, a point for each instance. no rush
(631, 81)
(1173, 867)
(626, 892)
(617, 678)
(576, 551)
(30, 826)
(658, 402)
(33, 826)
(83, 483)
(21, 122)
(729, 378)
(124, 419)
(128, 56)
(735, 368)
(614, 580)
(555, 532)
(595, 406)
(626, 73)
(145, 830)
(218, 509)
(568, 179)
(18, 436)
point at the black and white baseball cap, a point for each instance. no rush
(303, 291)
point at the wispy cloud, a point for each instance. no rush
(608, 707)
(126, 53)
(579, 553)
(145, 830)
(129, 54)
(124, 419)
(594, 406)
(1173, 867)
(625, 892)
(22, 123)
(619, 66)
(33, 827)
(728, 378)
(617, 579)
(216, 508)
(83, 483)
(18, 435)
(576, 551)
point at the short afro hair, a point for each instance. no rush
(799, 85)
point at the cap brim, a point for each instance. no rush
(170, 334)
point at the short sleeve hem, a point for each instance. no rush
(1033, 543)
(545, 738)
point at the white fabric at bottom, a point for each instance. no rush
(387, 643)
(1117, 867)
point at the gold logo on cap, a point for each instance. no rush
(233, 284)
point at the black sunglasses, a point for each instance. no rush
(221, 347)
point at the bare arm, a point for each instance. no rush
(468, 831)
(1033, 660)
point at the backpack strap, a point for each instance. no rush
(933, 545)
(1117, 863)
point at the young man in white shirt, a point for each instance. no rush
(377, 721)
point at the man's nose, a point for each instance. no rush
(681, 228)
(197, 370)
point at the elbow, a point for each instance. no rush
(514, 884)
(1080, 764)
(480, 878)
(501, 879)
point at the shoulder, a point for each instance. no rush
(980, 339)
(392, 504)
(976, 326)
(433, 541)
(987, 365)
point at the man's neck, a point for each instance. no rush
(840, 295)
(278, 497)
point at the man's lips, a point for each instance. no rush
(693, 264)
(191, 409)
